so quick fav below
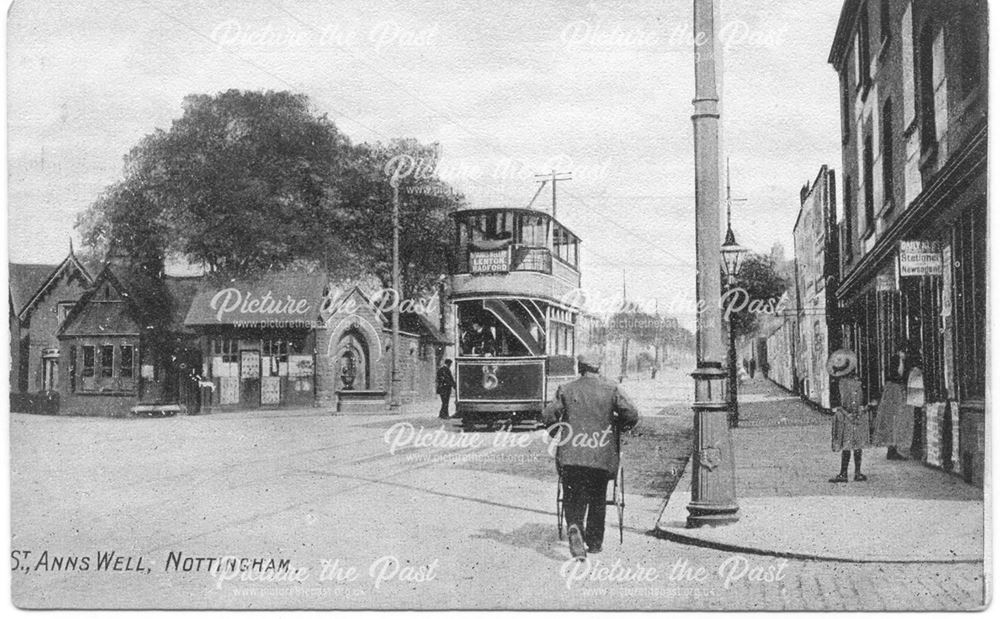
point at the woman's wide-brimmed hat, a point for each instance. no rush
(841, 363)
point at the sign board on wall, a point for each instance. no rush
(488, 261)
(919, 258)
(249, 364)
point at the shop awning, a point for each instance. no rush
(275, 299)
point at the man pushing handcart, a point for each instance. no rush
(587, 417)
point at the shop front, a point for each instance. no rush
(929, 296)
(248, 368)
(258, 340)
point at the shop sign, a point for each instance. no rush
(919, 258)
(488, 261)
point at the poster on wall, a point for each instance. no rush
(919, 258)
(270, 390)
(249, 364)
(229, 390)
(300, 365)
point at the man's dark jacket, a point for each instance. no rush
(445, 381)
(592, 410)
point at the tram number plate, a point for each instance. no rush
(488, 261)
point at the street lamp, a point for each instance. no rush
(713, 467)
(732, 262)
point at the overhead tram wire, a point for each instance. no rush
(485, 141)
(388, 138)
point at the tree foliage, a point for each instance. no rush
(245, 182)
(757, 292)
(426, 229)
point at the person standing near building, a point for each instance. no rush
(445, 383)
(588, 415)
(894, 418)
(915, 399)
(852, 419)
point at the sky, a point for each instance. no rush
(509, 90)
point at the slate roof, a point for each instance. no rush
(28, 281)
(25, 280)
(102, 318)
(422, 326)
(305, 290)
(145, 302)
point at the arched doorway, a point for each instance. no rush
(352, 368)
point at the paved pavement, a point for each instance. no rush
(789, 508)
(366, 525)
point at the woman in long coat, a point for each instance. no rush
(894, 418)
(852, 419)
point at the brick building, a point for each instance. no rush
(913, 83)
(136, 337)
(123, 344)
(40, 298)
(816, 275)
(293, 339)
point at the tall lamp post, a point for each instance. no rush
(732, 262)
(713, 478)
(397, 289)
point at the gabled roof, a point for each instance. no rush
(409, 321)
(337, 302)
(25, 280)
(102, 318)
(29, 282)
(149, 302)
(279, 296)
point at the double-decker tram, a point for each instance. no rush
(516, 338)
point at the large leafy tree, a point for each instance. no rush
(758, 292)
(425, 202)
(245, 182)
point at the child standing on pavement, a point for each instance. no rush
(851, 420)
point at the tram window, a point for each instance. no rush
(490, 227)
(502, 328)
(563, 340)
(532, 231)
(564, 245)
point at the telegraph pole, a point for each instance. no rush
(552, 177)
(658, 334)
(713, 483)
(397, 292)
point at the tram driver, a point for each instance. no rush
(479, 340)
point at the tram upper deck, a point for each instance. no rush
(535, 255)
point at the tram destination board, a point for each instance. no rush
(494, 261)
